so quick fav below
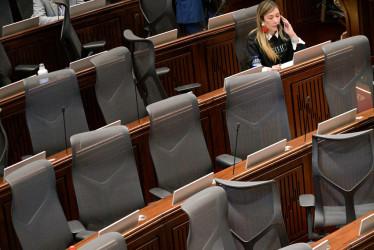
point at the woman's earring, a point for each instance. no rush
(264, 28)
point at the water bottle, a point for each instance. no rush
(256, 62)
(42, 70)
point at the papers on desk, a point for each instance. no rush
(244, 72)
(23, 163)
(287, 64)
(366, 225)
(322, 246)
(220, 20)
(265, 153)
(20, 26)
(336, 122)
(164, 37)
(122, 225)
(83, 63)
(86, 6)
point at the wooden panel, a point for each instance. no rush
(180, 234)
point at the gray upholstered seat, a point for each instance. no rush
(207, 214)
(177, 143)
(245, 21)
(105, 176)
(3, 149)
(46, 98)
(115, 87)
(108, 241)
(255, 214)
(256, 102)
(37, 214)
(343, 174)
(348, 77)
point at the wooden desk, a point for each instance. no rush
(347, 237)
(166, 226)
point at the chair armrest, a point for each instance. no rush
(226, 160)
(159, 192)
(186, 88)
(93, 46)
(26, 68)
(162, 71)
(78, 230)
(307, 200)
(84, 234)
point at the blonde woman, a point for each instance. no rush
(274, 40)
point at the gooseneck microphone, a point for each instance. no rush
(306, 120)
(220, 7)
(236, 145)
(63, 117)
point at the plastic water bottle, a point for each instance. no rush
(256, 62)
(42, 70)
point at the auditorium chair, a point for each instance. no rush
(105, 177)
(3, 149)
(25, 8)
(6, 70)
(256, 114)
(159, 16)
(70, 40)
(348, 73)
(54, 110)
(108, 241)
(245, 21)
(148, 83)
(343, 176)
(207, 215)
(37, 215)
(177, 143)
(255, 215)
(6, 16)
(115, 87)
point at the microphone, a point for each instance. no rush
(236, 145)
(306, 120)
(63, 117)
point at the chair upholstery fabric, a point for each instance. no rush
(108, 241)
(6, 70)
(46, 96)
(37, 215)
(257, 103)
(105, 176)
(207, 214)
(176, 141)
(347, 70)
(115, 89)
(343, 174)
(245, 21)
(4, 146)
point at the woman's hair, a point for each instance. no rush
(264, 8)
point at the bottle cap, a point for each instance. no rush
(41, 65)
(72, 247)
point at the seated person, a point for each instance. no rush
(272, 42)
(48, 11)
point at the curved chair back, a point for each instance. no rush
(245, 22)
(343, 174)
(115, 89)
(159, 15)
(207, 214)
(25, 8)
(105, 176)
(6, 69)
(176, 141)
(256, 102)
(69, 37)
(143, 59)
(37, 214)
(46, 97)
(108, 241)
(6, 16)
(348, 77)
(255, 214)
(4, 146)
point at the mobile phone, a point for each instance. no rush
(282, 23)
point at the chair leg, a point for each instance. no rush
(311, 234)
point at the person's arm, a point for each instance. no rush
(297, 43)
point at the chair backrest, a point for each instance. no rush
(245, 22)
(105, 176)
(256, 102)
(348, 69)
(255, 214)
(6, 16)
(37, 214)
(207, 214)
(69, 37)
(176, 141)
(6, 69)
(159, 15)
(3, 149)
(46, 97)
(108, 241)
(25, 8)
(115, 88)
(343, 174)
(143, 59)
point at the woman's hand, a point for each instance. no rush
(275, 68)
(288, 27)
